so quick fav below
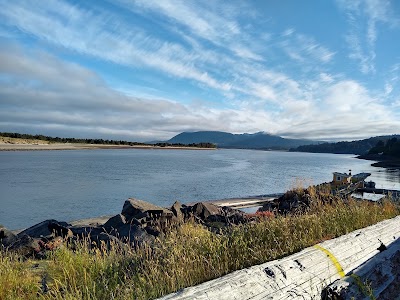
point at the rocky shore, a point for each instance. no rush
(139, 222)
(383, 161)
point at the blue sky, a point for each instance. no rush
(147, 70)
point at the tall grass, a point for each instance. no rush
(186, 256)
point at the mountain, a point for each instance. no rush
(359, 147)
(259, 140)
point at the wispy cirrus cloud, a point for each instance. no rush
(303, 48)
(252, 79)
(209, 21)
(101, 35)
(369, 14)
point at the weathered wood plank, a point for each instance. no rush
(381, 273)
(301, 275)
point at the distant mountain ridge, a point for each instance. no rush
(358, 147)
(259, 140)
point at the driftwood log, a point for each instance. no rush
(303, 275)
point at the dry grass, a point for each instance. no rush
(186, 256)
(8, 140)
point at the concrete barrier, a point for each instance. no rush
(303, 275)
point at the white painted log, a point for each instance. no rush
(302, 275)
(379, 276)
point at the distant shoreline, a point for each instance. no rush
(381, 161)
(53, 147)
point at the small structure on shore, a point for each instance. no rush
(341, 178)
(346, 179)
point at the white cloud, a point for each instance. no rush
(301, 97)
(305, 49)
(103, 36)
(288, 32)
(370, 13)
(324, 77)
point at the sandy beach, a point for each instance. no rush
(15, 144)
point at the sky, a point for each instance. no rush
(144, 70)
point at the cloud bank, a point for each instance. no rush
(231, 69)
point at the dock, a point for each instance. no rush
(246, 202)
(393, 193)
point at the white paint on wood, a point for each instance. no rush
(299, 276)
(380, 273)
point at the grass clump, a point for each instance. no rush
(18, 280)
(186, 256)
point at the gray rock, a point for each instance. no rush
(132, 234)
(26, 246)
(86, 231)
(138, 209)
(177, 210)
(7, 237)
(114, 222)
(46, 229)
(203, 210)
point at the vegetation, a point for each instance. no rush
(99, 141)
(391, 148)
(185, 256)
(355, 147)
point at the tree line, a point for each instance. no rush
(390, 148)
(360, 147)
(99, 141)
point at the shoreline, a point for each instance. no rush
(382, 161)
(54, 147)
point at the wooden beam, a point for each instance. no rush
(302, 275)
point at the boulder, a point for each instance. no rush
(177, 210)
(7, 237)
(105, 239)
(269, 206)
(26, 246)
(233, 216)
(86, 231)
(46, 229)
(203, 210)
(114, 222)
(138, 209)
(132, 234)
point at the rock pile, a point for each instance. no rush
(291, 201)
(139, 222)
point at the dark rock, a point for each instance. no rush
(288, 204)
(186, 211)
(26, 246)
(45, 229)
(138, 209)
(203, 210)
(132, 234)
(86, 231)
(7, 237)
(114, 222)
(60, 229)
(269, 206)
(152, 231)
(227, 216)
(106, 239)
(177, 210)
(234, 216)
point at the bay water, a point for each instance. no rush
(77, 184)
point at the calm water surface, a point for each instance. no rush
(70, 185)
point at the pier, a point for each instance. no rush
(393, 193)
(246, 202)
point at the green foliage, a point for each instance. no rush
(355, 147)
(391, 148)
